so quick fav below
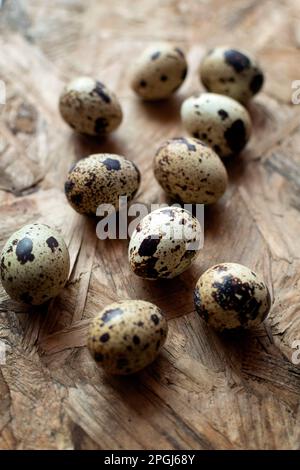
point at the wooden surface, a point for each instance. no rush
(205, 391)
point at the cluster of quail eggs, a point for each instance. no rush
(128, 335)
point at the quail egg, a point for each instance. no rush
(231, 72)
(101, 179)
(190, 171)
(127, 336)
(221, 122)
(164, 243)
(230, 295)
(34, 264)
(159, 71)
(89, 107)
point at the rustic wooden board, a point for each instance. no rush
(205, 391)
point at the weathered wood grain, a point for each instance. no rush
(205, 391)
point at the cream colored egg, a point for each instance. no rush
(34, 264)
(101, 179)
(89, 107)
(231, 72)
(159, 71)
(230, 295)
(190, 171)
(221, 122)
(127, 336)
(164, 243)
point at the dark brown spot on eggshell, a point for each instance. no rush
(149, 245)
(136, 340)
(3, 265)
(256, 83)
(24, 250)
(223, 114)
(233, 294)
(237, 60)
(155, 55)
(155, 319)
(52, 243)
(146, 268)
(235, 136)
(100, 90)
(111, 164)
(104, 338)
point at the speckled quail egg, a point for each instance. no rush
(231, 72)
(101, 179)
(221, 122)
(190, 171)
(127, 336)
(34, 264)
(230, 295)
(164, 243)
(89, 107)
(158, 72)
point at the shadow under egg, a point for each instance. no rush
(85, 145)
(166, 110)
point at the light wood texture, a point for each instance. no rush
(205, 391)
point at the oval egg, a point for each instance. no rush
(127, 336)
(221, 122)
(158, 72)
(89, 107)
(35, 264)
(101, 179)
(230, 296)
(231, 72)
(190, 171)
(164, 243)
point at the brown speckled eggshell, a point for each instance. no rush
(89, 107)
(34, 264)
(164, 243)
(229, 296)
(231, 72)
(158, 71)
(127, 336)
(101, 179)
(219, 121)
(190, 171)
